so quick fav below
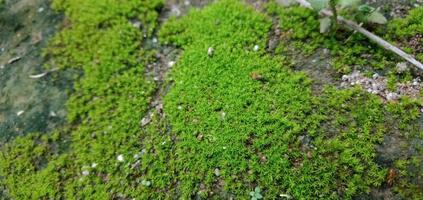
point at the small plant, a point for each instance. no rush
(353, 8)
(256, 194)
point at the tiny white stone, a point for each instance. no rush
(375, 76)
(120, 158)
(344, 77)
(256, 47)
(85, 172)
(171, 63)
(217, 172)
(1, 66)
(41, 9)
(223, 115)
(136, 24)
(187, 3)
(53, 114)
(210, 51)
(19, 113)
(94, 165)
(154, 40)
(391, 96)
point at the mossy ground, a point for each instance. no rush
(235, 118)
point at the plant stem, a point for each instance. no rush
(332, 4)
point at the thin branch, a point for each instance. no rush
(368, 34)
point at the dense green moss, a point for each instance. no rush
(405, 30)
(104, 111)
(235, 117)
(269, 132)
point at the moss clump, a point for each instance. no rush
(348, 51)
(104, 111)
(236, 118)
(408, 32)
(245, 115)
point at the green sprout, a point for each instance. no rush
(351, 8)
(256, 194)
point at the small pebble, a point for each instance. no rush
(217, 172)
(171, 63)
(120, 158)
(375, 76)
(40, 10)
(210, 51)
(19, 113)
(53, 114)
(155, 40)
(256, 47)
(344, 77)
(85, 173)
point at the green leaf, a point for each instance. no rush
(257, 189)
(377, 18)
(252, 193)
(259, 196)
(319, 4)
(349, 3)
(325, 24)
(366, 9)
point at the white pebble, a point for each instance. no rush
(19, 113)
(53, 114)
(155, 40)
(375, 76)
(256, 47)
(344, 77)
(171, 63)
(210, 51)
(41, 9)
(120, 158)
(94, 165)
(85, 173)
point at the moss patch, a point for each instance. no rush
(104, 111)
(235, 119)
(245, 115)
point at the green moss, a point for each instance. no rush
(235, 119)
(104, 111)
(251, 130)
(349, 51)
(403, 30)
